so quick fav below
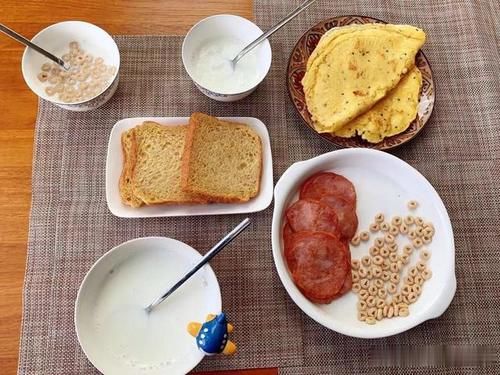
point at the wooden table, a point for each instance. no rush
(18, 108)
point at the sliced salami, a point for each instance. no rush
(309, 215)
(328, 183)
(346, 214)
(319, 264)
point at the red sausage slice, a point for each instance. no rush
(328, 183)
(319, 265)
(346, 214)
(308, 215)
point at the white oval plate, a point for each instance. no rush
(385, 184)
(114, 164)
(112, 350)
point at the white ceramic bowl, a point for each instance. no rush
(56, 39)
(385, 184)
(225, 25)
(114, 341)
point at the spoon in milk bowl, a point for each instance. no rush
(206, 258)
(271, 31)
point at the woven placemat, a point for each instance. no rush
(459, 152)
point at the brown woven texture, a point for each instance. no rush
(459, 152)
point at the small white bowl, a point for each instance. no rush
(225, 25)
(113, 329)
(56, 39)
(384, 184)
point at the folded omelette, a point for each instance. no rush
(354, 67)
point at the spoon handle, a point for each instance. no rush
(272, 30)
(28, 43)
(208, 256)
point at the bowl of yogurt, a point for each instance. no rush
(116, 333)
(208, 49)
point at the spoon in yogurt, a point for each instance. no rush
(271, 31)
(206, 258)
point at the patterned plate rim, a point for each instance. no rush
(428, 92)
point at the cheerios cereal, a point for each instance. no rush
(392, 275)
(86, 78)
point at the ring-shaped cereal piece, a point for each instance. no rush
(394, 230)
(419, 221)
(409, 280)
(394, 278)
(369, 274)
(426, 239)
(380, 314)
(366, 261)
(397, 221)
(425, 255)
(378, 283)
(407, 249)
(419, 231)
(382, 293)
(363, 294)
(412, 205)
(362, 272)
(355, 277)
(419, 280)
(379, 218)
(417, 289)
(374, 251)
(413, 272)
(405, 259)
(384, 252)
(362, 315)
(43, 76)
(370, 301)
(405, 290)
(409, 220)
(412, 234)
(355, 264)
(46, 67)
(374, 227)
(364, 284)
(376, 271)
(356, 287)
(389, 238)
(393, 257)
(417, 243)
(370, 320)
(426, 274)
(355, 241)
(390, 312)
(372, 290)
(384, 227)
(386, 275)
(421, 266)
(403, 228)
(378, 260)
(362, 305)
(412, 297)
(396, 309)
(393, 247)
(379, 242)
(394, 267)
(386, 264)
(403, 312)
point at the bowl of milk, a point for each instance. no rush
(116, 333)
(208, 49)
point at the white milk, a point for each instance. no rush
(213, 70)
(154, 341)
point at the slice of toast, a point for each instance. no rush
(222, 161)
(157, 173)
(129, 159)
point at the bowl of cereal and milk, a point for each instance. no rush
(208, 49)
(94, 62)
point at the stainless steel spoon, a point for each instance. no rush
(206, 258)
(28, 43)
(271, 31)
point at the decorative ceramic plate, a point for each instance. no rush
(297, 68)
(384, 184)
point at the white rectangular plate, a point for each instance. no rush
(114, 164)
